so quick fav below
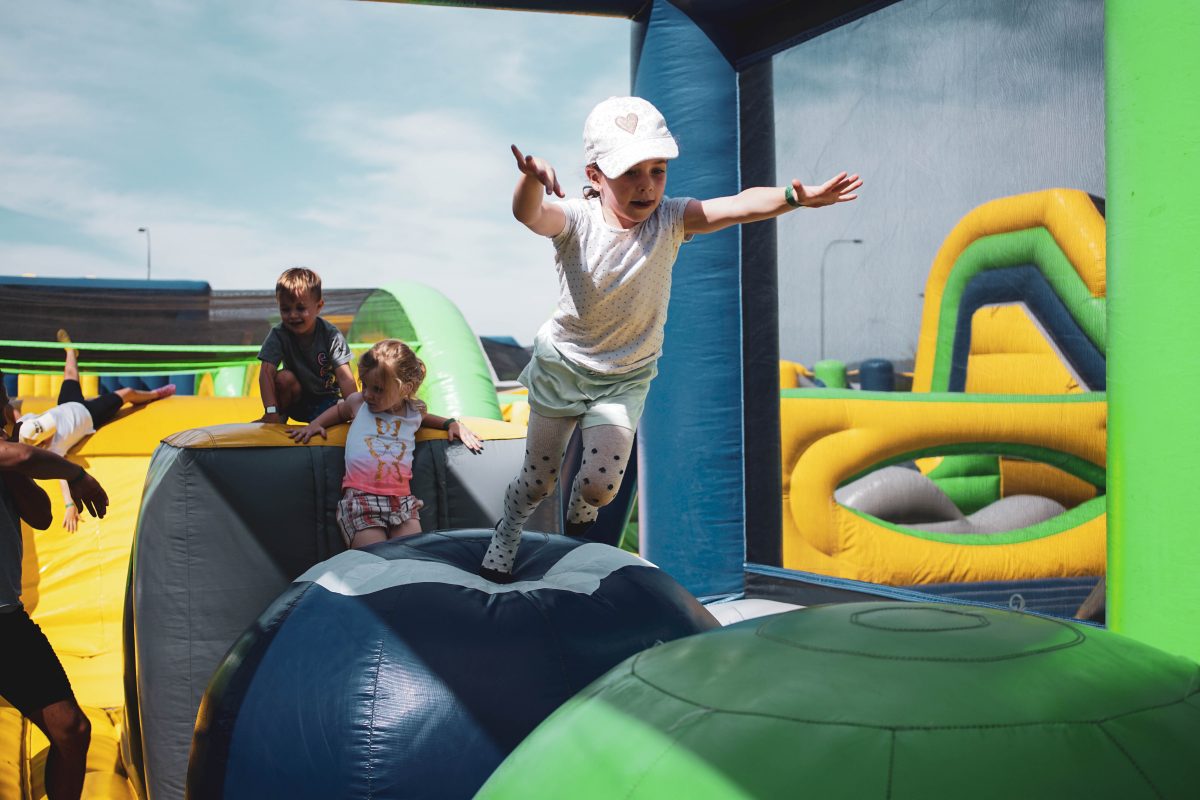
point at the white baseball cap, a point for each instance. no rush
(623, 131)
(35, 429)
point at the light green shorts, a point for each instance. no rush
(559, 388)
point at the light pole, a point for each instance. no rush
(147, 232)
(825, 253)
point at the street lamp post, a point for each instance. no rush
(147, 232)
(821, 285)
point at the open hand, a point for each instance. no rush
(87, 492)
(465, 435)
(71, 519)
(838, 189)
(540, 169)
(302, 435)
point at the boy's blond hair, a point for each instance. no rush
(297, 282)
(397, 363)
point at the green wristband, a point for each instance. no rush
(449, 421)
(790, 196)
(78, 475)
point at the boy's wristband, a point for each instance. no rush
(790, 196)
(449, 421)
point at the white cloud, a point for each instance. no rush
(369, 141)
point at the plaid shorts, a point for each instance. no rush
(359, 510)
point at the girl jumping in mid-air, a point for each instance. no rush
(614, 248)
(378, 503)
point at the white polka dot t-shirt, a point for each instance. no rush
(614, 285)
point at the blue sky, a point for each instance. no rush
(368, 141)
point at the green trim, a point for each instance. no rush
(155, 348)
(1034, 246)
(459, 382)
(940, 397)
(148, 348)
(1069, 519)
(1072, 464)
(145, 368)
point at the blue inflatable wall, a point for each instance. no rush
(691, 491)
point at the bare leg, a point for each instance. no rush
(71, 365)
(368, 536)
(287, 390)
(410, 527)
(1093, 605)
(69, 732)
(140, 397)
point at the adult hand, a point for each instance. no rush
(302, 435)
(87, 492)
(465, 435)
(838, 189)
(539, 169)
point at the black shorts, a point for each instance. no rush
(31, 676)
(102, 408)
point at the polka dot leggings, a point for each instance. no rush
(605, 458)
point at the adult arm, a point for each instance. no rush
(35, 462)
(766, 202)
(528, 206)
(33, 504)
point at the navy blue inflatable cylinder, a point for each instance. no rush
(397, 671)
(877, 375)
(10, 383)
(692, 520)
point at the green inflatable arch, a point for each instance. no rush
(459, 381)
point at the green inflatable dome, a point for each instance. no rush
(875, 700)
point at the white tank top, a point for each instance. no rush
(379, 450)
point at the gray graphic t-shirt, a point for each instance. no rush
(313, 365)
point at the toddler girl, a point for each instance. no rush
(377, 503)
(614, 248)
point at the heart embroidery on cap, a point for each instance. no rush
(627, 123)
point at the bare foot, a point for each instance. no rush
(65, 338)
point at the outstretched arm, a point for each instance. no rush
(765, 202)
(529, 207)
(339, 412)
(454, 430)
